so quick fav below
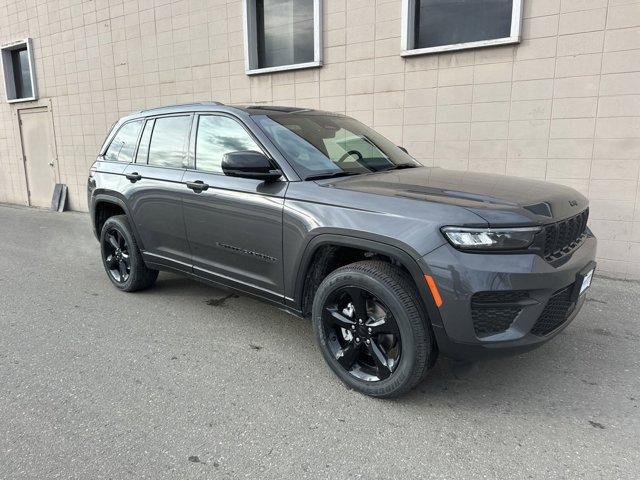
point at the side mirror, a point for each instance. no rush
(249, 164)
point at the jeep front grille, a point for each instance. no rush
(563, 237)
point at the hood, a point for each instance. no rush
(499, 199)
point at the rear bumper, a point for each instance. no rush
(461, 275)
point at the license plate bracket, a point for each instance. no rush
(583, 280)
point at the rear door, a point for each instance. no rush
(155, 190)
(119, 151)
(234, 227)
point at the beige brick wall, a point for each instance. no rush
(564, 105)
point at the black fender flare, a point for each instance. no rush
(375, 246)
(115, 199)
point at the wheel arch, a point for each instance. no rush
(108, 200)
(375, 247)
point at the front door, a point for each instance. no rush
(39, 154)
(234, 227)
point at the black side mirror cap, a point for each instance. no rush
(249, 164)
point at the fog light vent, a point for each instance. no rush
(494, 312)
(555, 313)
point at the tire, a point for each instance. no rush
(137, 276)
(387, 284)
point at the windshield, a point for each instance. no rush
(330, 145)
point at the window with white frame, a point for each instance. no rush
(18, 71)
(442, 25)
(282, 35)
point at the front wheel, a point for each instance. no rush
(372, 330)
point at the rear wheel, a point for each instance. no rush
(121, 256)
(372, 329)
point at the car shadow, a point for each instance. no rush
(538, 378)
(177, 283)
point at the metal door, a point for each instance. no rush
(154, 191)
(234, 229)
(39, 154)
(234, 225)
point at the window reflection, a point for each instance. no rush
(449, 22)
(168, 141)
(124, 143)
(143, 148)
(21, 73)
(331, 143)
(291, 140)
(216, 136)
(285, 32)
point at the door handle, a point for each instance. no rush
(197, 186)
(134, 176)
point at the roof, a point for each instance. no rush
(221, 107)
(179, 106)
(271, 109)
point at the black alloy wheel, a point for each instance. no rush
(121, 257)
(372, 329)
(116, 255)
(362, 334)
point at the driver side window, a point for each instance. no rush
(216, 136)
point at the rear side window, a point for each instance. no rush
(216, 136)
(124, 143)
(169, 141)
(143, 148)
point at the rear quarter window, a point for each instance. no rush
(124, 142)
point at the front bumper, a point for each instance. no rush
(460, 275)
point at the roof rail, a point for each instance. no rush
(276, 108)
(193, 104)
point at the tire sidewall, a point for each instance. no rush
(404, 371)
(116, 223)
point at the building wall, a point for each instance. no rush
(564, 105)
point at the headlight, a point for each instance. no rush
(490, 238)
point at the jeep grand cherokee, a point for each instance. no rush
(316, 213)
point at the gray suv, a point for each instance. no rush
(320, 215)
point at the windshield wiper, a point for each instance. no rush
(321, 176)
(402, 166)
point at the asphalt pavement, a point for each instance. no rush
(188, 381)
